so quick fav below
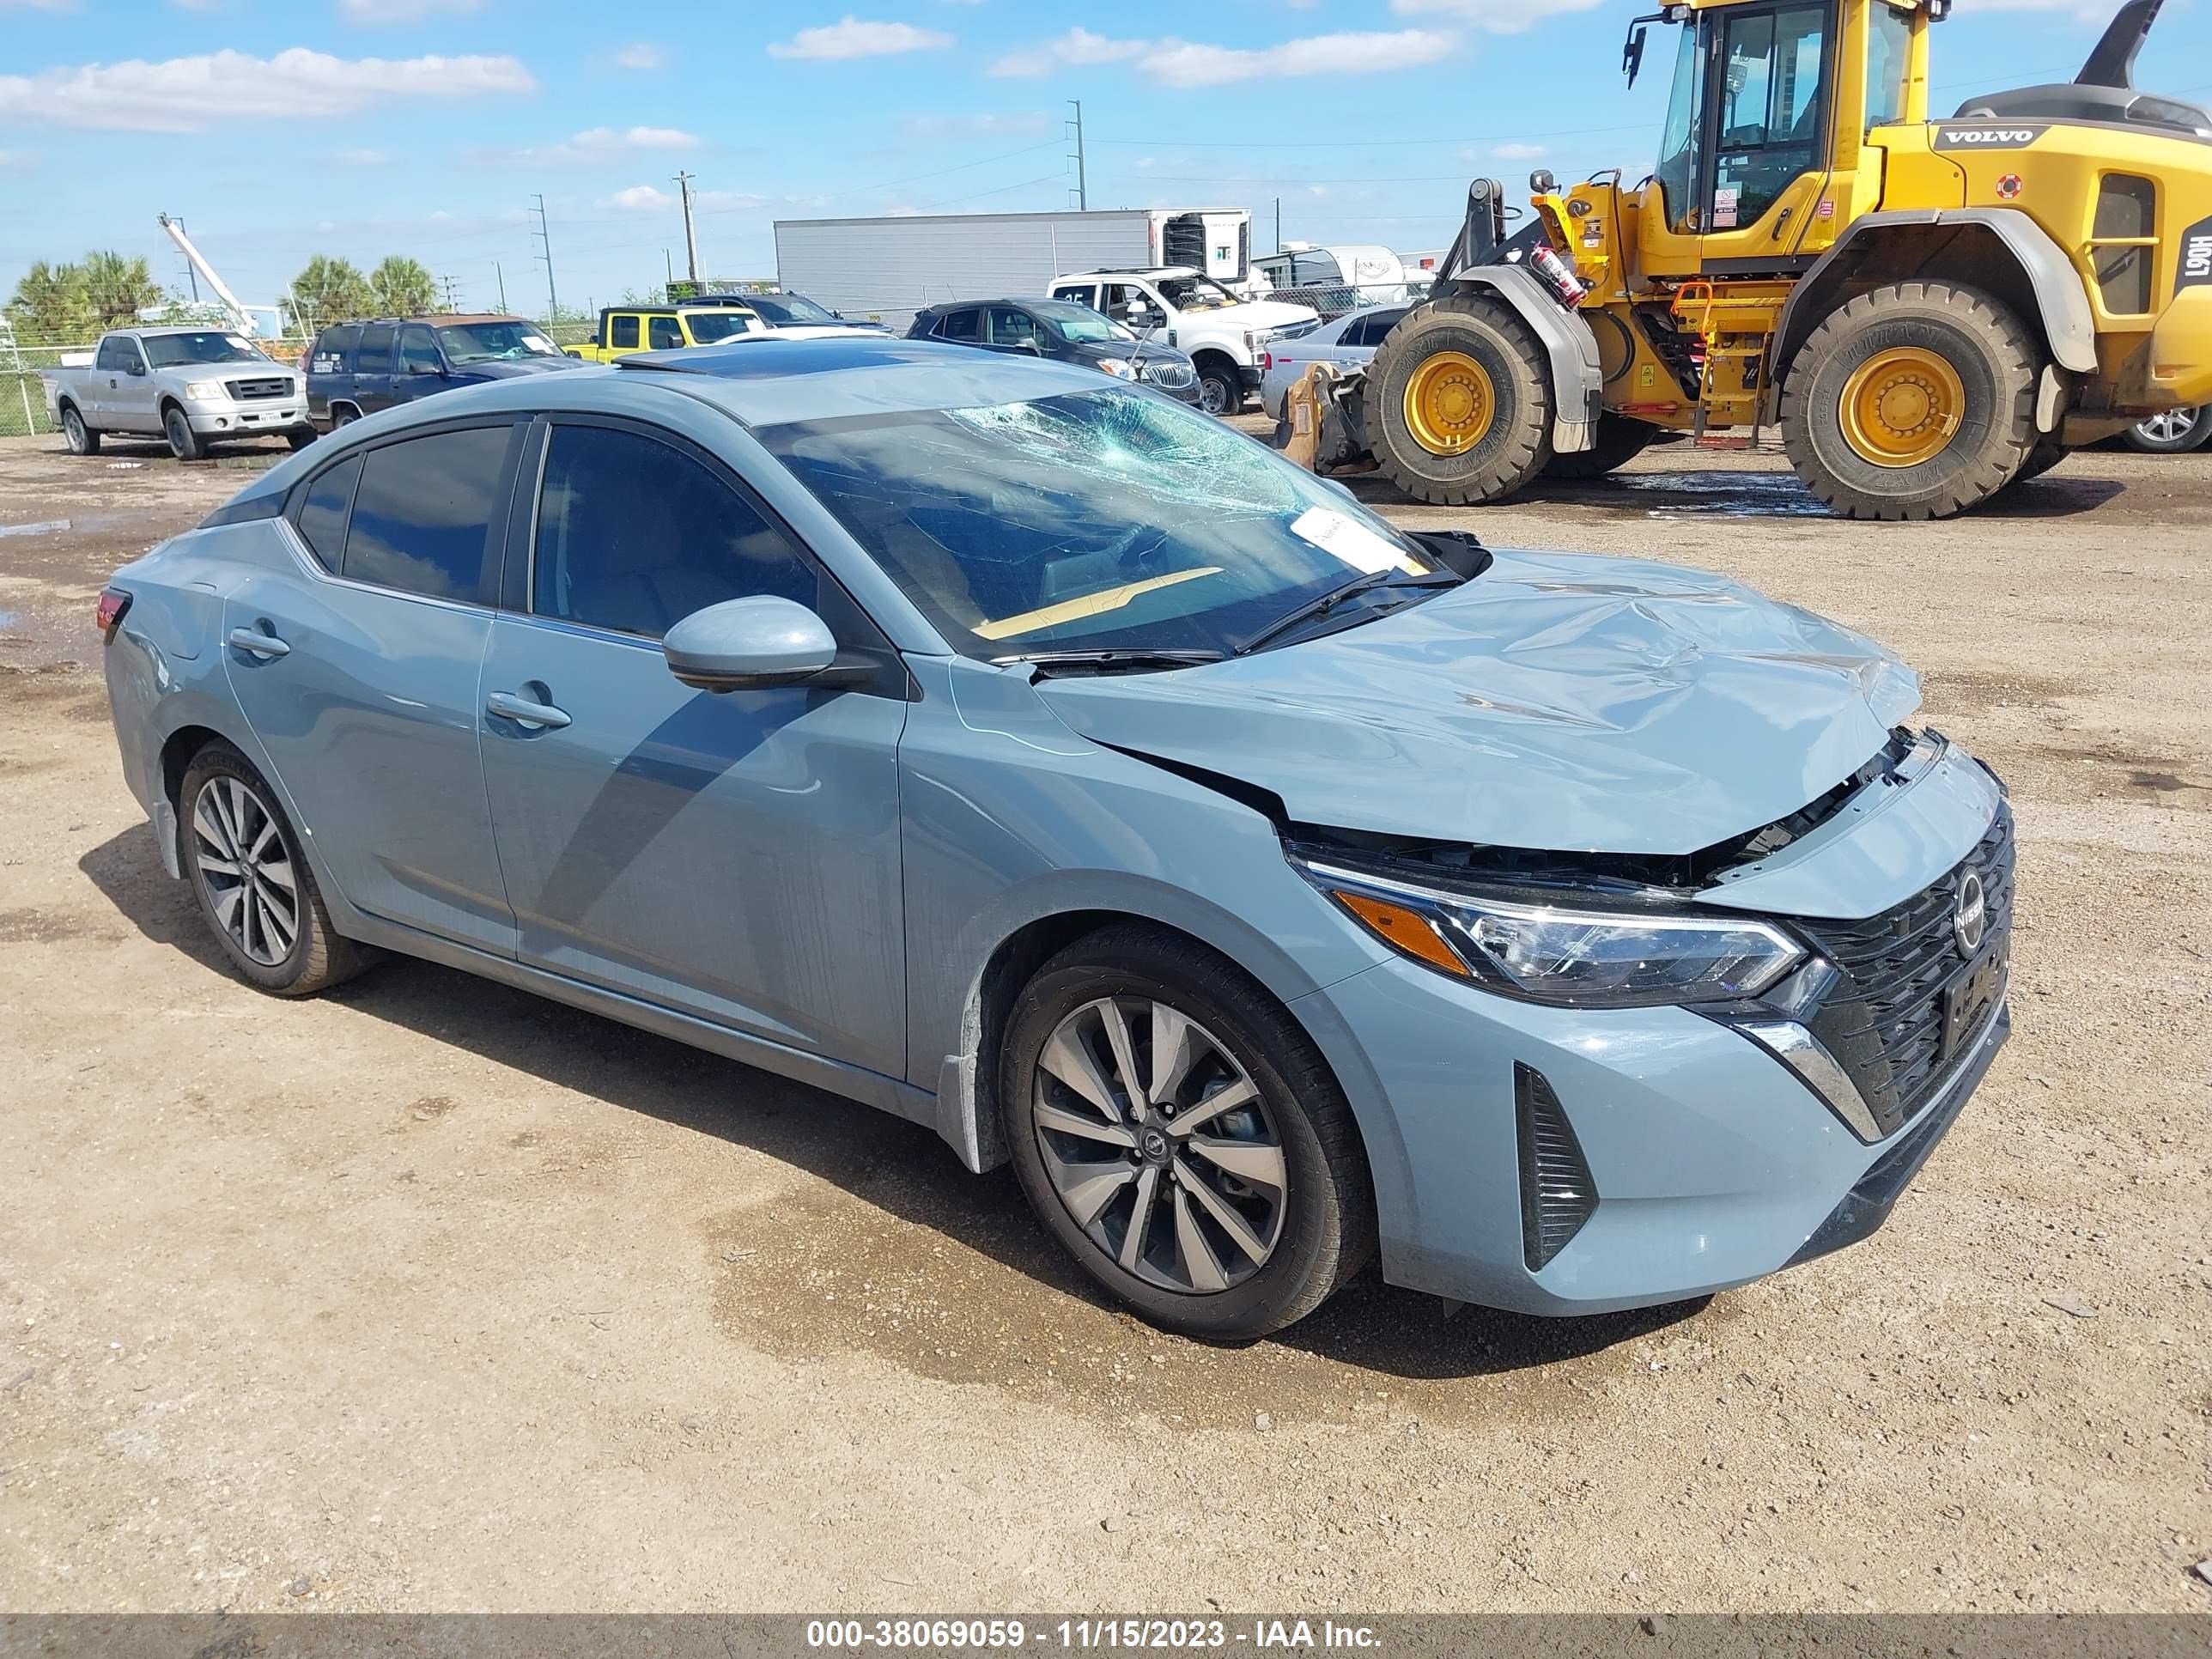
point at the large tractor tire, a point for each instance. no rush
(1459, 403)
(1914, 401)
(1620, 439)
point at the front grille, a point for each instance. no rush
(1174, 376)
(1884, 1020)
(247, 391)
(1556, 1193)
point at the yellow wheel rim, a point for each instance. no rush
(1901, 407)
(1450, 404)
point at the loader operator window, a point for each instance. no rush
(1771, 112)
(1679, 152)
(1889, 55)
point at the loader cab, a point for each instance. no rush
(1761, 158)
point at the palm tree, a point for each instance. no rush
(329, 290)
(51, 306)
(117, 288)
(403, 287)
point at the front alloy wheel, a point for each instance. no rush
(1177, 1130)
(1173, 1166)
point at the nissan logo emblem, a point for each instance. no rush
(1972, 917)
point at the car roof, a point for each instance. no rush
(436, 320)
(1155, 272)
(768, 379)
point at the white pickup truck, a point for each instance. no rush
(1221, 334)
(194, 386)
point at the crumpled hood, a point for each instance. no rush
(1256, 315)
(1559, 701)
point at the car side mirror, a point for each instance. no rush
(138, 370)
(751, 645)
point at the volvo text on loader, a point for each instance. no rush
(1928, 309)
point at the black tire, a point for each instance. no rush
(1620, 439)
(1220, 389)
(343, 415)
(184, 444)
(1517, 444)
(80, 439)
(2176, 432)
(1326, 1228)
(1982, 342)
(318, 956)
(300, 436)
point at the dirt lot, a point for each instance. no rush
(430, 1294)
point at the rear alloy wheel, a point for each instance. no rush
(1459, 403)
(343, 415)
(183, 443)
(80, 439)
(1914, 401)
(2174, 433)
(253, 882)
(1181, 1138)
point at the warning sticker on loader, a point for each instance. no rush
(1725, 198)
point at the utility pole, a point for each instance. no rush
(500, 276)
(690, 235)
(1082, 184)
(1278, 224)
(552, 295)
(667, 273)
(452, 304)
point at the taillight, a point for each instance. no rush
(1267, 362)
(113, 602)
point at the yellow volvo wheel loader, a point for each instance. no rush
(1927, 309)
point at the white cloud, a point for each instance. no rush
(377, 13)
(854, 38)
(1517, 152)
(17, 158)
(37, 5)
(360, 158)
(1027, 125)
(598, 145)
(1498, 16)
(188, 94)
(1188, 64)
(639, 198)
(642, 56)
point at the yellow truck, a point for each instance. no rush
(1928, 309)
(625, 329)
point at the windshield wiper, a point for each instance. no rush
(1313, 610)
(1127, 660)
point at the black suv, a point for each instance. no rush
(357, 369)
(1057, 329)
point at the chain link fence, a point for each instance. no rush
(1334, 299)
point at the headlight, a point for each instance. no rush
(1565, 954)
(206, 391)
(1119, 368)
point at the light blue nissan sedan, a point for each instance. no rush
(1041, 760)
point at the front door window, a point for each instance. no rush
(1770, 116)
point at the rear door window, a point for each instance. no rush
(319, 513)
(423, 510)
(622, 333)
(334, 349)
(960, 325)
(374, 356)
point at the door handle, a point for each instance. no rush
(523, 712)
(259, 644)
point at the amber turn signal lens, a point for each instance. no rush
(1407, 930)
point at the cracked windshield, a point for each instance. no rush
(1099, 521)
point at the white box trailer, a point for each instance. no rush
(886, 269)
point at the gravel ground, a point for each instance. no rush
(429, 1295)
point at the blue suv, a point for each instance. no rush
(357, 369)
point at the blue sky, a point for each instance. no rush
(360, 128)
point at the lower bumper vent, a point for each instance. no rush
(1557, 1194)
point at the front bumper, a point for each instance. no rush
(231, 419)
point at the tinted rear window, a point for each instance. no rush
(322, 512)
(424, 511)
(334, 349)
